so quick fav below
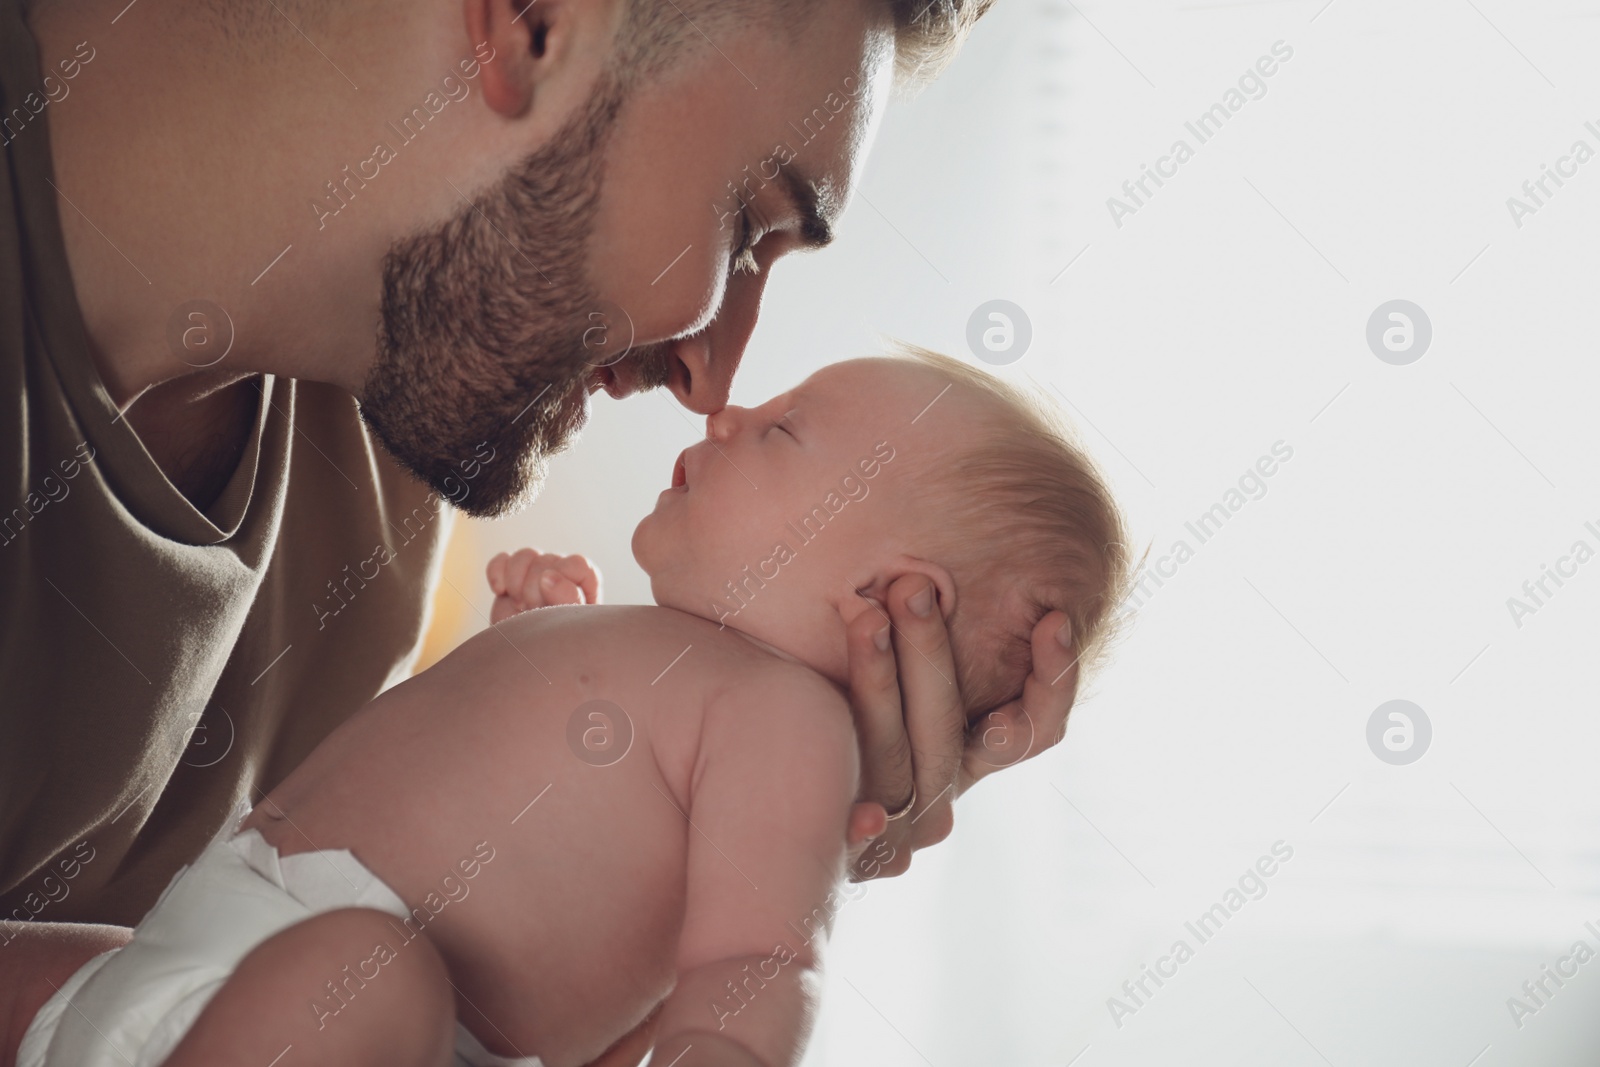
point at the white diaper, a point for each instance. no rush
(130, 1007)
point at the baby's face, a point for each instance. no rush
(786, 509)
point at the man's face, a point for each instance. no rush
(629, 252)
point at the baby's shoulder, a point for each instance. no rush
(659, 656)
(728, 664)
(776, 681)
(779, 698)
(780, 729)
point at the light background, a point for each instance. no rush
(1230, 313)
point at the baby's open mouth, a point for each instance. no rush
(680, 473)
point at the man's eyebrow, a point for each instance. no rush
(815, 207)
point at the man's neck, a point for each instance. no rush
(186, 163)
(197, 432)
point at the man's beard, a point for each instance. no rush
(483, 327)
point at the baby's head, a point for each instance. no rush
(791, 514)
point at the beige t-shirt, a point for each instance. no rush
(159, 663)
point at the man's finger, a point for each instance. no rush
(886, 769)
(1027, 726)
(867, 821)
(631, 1048)
(936, 720)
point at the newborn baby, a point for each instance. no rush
(587, 813)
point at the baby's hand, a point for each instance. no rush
(532, 579)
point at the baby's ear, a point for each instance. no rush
(943, 584)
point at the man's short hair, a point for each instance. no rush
(928, 33)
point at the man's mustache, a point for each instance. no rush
(647, 366)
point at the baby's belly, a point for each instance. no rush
(551, 879)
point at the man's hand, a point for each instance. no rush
(912, 723)
(631, 1049)
(532, 579)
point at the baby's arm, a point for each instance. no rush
(769, 800)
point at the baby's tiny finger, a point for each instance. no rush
(502, 608)
(496, 572)
(557, 588)
(527, 593)
(584, 574)
(517, 568)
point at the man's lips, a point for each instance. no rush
(624, 377)
(608, 379)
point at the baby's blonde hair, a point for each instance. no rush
(1025, 523)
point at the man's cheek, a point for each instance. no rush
(659, 250)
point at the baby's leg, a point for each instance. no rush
(403, 1017)
(36, 959)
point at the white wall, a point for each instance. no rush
(1227, 314)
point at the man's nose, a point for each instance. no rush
(701, 370)
(723, 423)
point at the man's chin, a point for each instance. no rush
(512, 482)
(504, 487)
(494, 498)
(492, 472)
(552, 431)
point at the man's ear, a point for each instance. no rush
(517, 43)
